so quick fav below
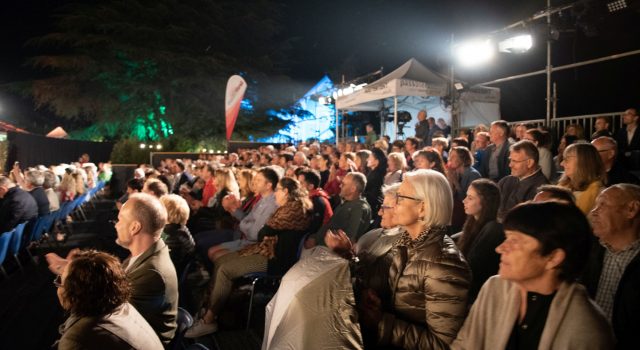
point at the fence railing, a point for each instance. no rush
(588, 122)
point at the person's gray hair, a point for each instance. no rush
(359, 180)
(49, 180)
(34, 177)
(6, 182)
(433, 189)
(390, 190)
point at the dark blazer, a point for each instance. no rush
(17, 206)
(629, 153)
(503, 161)
(181, 245)
(422, 131)
(155, 289)
(482, 256)
(626, 306)
(373, 189)
(41, 200)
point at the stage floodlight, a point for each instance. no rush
(322, 100)
(474, 53)
(158, 146)
(458, 86)
(615, 6)
(516, 44)
(143, 146)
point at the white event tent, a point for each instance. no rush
(413, 87)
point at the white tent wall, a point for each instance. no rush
(474, 113)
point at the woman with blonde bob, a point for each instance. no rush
(396, 165)
(583, 174)
(428, 278)
(176, 234)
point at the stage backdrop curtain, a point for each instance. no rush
(32, 150)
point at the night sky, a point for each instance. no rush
(355, 37)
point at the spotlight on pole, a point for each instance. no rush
(474, 53)
(516, 44)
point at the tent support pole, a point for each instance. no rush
(395, 116)
(337, 128)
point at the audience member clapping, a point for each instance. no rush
(275, 251)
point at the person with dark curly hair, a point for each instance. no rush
(94, 290)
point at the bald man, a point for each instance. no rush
(612, 275)
(616, 171)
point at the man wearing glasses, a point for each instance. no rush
(526, 176)
(616, 171)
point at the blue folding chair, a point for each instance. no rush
(5, 240)
(16, 242)
(45, 223)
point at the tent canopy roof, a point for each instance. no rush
(412, 70)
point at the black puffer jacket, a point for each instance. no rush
(429, 280)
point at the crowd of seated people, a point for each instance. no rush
(454, 213)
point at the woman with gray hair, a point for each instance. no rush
(428, 278)
(49, 185)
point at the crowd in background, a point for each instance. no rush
(424, 225)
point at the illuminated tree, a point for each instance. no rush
(149, 68)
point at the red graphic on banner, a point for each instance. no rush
(236, 86)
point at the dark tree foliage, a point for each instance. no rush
(120, 63)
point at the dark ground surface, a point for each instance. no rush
(30, 313)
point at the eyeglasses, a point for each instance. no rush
(385, 207)
(399, 196)
(57, 281)
(114, 221)
(606, 150)
(518, 161)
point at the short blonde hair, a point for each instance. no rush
(398, 159)
(177, 209)
(433, 189)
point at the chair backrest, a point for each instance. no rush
(43, 225)
(65, 209)
(5, 240)
(301, 244)
(184, 321)
(16, 240)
